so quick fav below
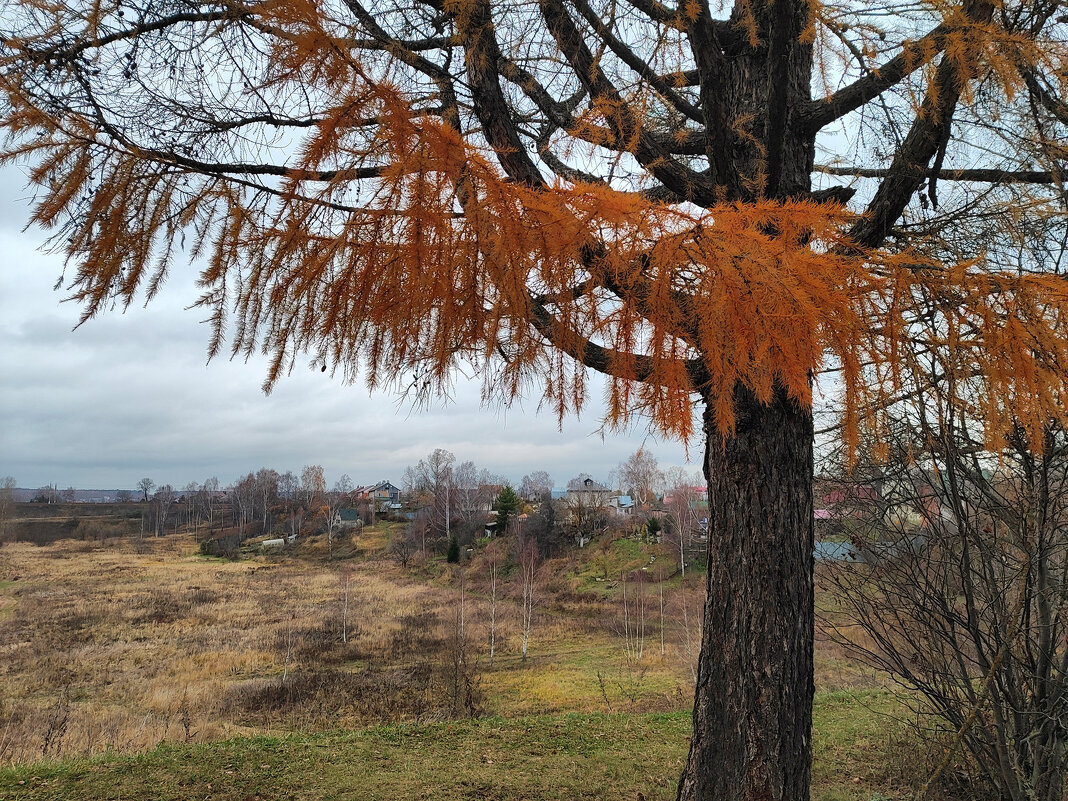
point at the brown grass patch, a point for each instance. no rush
(120, 644)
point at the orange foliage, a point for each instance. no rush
(438, 259)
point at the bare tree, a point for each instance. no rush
(535, 485)
(470, 496)
(681, 503)
(243, 496)
(403, 546)
(160, 506)
(660, 587)
(962, 594)
(266, 493)
(146, 485)
(422, 528)
(211, 499)
(192, 499)
(641, 475)
(289, 489)
(633, 620)
(432, 480)
(312, 485)
(587, 514)
(338, 497)
(494, 556)
(528, 576)
(676, 476)
(7, 502)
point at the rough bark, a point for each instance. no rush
(753, 702)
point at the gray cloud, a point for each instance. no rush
(129, 394)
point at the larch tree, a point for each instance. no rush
(709, 203)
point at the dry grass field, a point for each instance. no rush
(111, 647)
(108, 648)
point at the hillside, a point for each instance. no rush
(569, 756)
(141, 669)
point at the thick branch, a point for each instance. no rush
(559, 114)
(989, 175)
(914, 54)
(627, 131)
(658, 193)
(396, 49)
(682, 78)
(1049, 101)
(929, 129)
(574, 293)
(692, 143)
(639, 290)
(559, 166)
(631, 59)
(629, 366)
(482, 55)
(658, 12)
(788, 21)
(708, 53)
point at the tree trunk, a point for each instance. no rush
(752, 714)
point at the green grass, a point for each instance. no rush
(858, 743)
(583, 678)
(603, 563)
(573, 756)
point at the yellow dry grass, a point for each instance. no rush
(108, 646)
(104, 647)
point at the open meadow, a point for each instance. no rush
(133, 664)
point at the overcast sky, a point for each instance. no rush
(131, 395)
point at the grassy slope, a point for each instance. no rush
(537, 750)
(557, 757)
(551, 757)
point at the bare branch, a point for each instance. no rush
(929, 129)
(482, 56)
(630, 366)
(914, 55)
(990, 175)
(625, 128)
(631, 59)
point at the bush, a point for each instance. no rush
(228, 547)
(326, 696)
(961, 595)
